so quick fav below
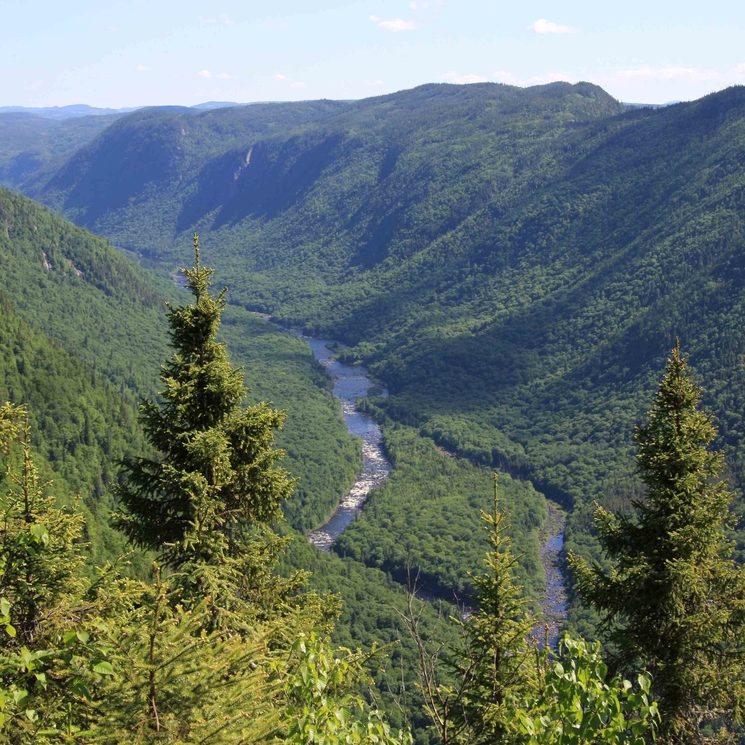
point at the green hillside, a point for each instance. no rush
(138, 173)
(82, 334)
(29, 143)
(514, 263)
(78, 295)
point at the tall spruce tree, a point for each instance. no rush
(674, 602)
(498, 668)
(205, 502)
(493, 669)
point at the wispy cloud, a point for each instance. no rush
(32, 85)
(542, 26)
(204, 74)
(141, 68)
(225, 76)
(418, 5)
(395, 24)
(290, 81)
(221, 20)
(377, 82)
(113, 28)
(503, 76)
(453, 77)
(668, 73)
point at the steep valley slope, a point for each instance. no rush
(513, 263)
(82, 337)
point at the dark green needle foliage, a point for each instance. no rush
(498, 666)
(675, 601)
(493, 668)
(206, 500)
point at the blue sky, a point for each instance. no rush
(116, 54)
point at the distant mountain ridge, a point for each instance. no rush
(71, 111)
(74, 111)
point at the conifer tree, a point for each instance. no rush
(675, 601)
(204, 503)
(499, 667)
(494, 667)
(49, 663)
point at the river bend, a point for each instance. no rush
(350, 384)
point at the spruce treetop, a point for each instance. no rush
(674, 602)
(216, 475)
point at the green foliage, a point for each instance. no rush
(424, 519)
(504, 689)
(175, 680)
(577, 704)
(494, 667)
(673, 602)
(48, 667)
(322, 704)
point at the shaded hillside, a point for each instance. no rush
(102, 320)
(514, 263)
(29, 142)
(140, 170)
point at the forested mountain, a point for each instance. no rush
(29, 142)
(82, 337)
(514, 263)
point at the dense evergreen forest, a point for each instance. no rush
(514, 264)
(217, 646)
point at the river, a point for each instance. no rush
(351, 382)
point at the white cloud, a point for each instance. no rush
(113, 28)
(290, 81)
(377, 82)
(453, 77)
(141, 68)
(502, 76)
(542, 26)
(32, 85)
(221, 20)
(738, 71)
(668, 73)
(418, 5)
(204, 74)
(225, 76)
(395, 24)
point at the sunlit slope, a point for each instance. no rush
(85, 335)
